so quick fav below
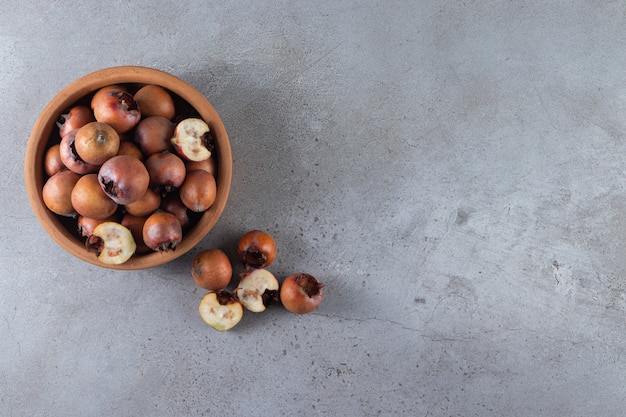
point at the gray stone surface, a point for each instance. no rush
(453, 171)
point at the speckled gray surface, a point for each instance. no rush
(453, 172)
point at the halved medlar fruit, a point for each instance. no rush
(257, 289)
(112, 243)
(193, 139)
(220, 310)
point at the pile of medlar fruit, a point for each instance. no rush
(258, 288)
(131, 171)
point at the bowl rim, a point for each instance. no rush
(77, 90)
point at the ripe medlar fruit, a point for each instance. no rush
(162, 231)
(116, 107)
(75, 118)
(198, 191)
(112, 243)
(96, 142)
(166, 169)
(89, 200)
(211, 269)
(124, 179)
(154, 100)
(57, 193)
(257, 249)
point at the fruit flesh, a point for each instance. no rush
(257, 289)
(220, 310)
(112, 242)
(192, 139)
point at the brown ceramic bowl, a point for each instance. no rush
(188, 101)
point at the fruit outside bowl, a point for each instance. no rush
(43, 135)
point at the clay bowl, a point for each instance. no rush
(45, 133)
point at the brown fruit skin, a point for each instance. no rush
(70, 158)
(301, 293)
(198, 191)
(172, 204)
(153, 135)
(166, 170)
(86, 225)
(211, 269)
(57, 193)
(96, 142)
(124, 179)
(52, 160)
(131, 149)
(135, 225)
(146, 205)
(162, 231)
(207, 165)
(89, 200)
(75, 118)
(116, 107)
(257, 249)
(154, 100)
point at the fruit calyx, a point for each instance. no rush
(254, 258)
(127, 100)
(270, 297)
(167, 246)
(109, 186)
(95, 244)
(224, 297)
(208, 141)
(309, 284)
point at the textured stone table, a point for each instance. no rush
(453, 172)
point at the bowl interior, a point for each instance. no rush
(188, 101)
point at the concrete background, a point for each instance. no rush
(453, 172)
